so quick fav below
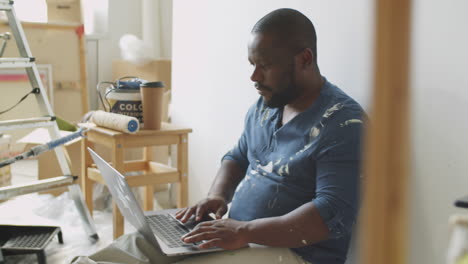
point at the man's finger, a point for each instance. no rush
(198, 230)
(199, 214)
(199, 237)
(180, 213)
(188, 214)
(206, 223)
(220, 212)
(210, 243)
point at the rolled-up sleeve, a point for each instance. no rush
(338, 179)
(239, 152)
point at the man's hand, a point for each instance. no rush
(216, 205)
(223, 233)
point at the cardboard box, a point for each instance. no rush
(67, 104)
(64, 11)
(48, 165)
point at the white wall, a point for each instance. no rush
(439, 129)
(211, 86)
(157, 27)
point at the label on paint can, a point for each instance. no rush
(132, 108)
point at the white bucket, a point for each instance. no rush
(125, 102)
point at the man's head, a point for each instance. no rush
(283, 52)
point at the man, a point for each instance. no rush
(296, 165)
(293, 177)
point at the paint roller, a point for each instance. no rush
(35, 151)
(115, 121)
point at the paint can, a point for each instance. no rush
(122, 96)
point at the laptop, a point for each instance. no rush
(160, 228)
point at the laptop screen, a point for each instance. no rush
(123, 196)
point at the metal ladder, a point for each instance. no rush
(47, 120)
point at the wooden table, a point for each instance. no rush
(152, 172)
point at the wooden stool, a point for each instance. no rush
(152, 172)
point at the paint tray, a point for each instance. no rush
(21, 240)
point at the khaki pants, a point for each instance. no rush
(134, 249)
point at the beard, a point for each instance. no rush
(280, 98)
(284, 96)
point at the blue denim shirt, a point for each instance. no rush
(314, 158)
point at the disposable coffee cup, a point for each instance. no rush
(152, 101)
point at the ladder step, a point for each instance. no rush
(37, 186)
(46, 121)
(5, 5)
(17, 62)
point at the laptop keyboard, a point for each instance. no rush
(168, 229)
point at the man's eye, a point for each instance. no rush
(262, 66)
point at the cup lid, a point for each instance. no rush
(152, 84)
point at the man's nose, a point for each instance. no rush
(257, 75)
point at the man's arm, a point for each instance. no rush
(220, 194)
(301, 227)
(226, 180)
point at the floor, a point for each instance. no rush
(45, 209)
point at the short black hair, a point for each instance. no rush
(290, 26)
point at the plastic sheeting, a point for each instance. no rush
(35, 209)
(45, 209)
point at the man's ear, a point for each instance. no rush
(305, 58)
